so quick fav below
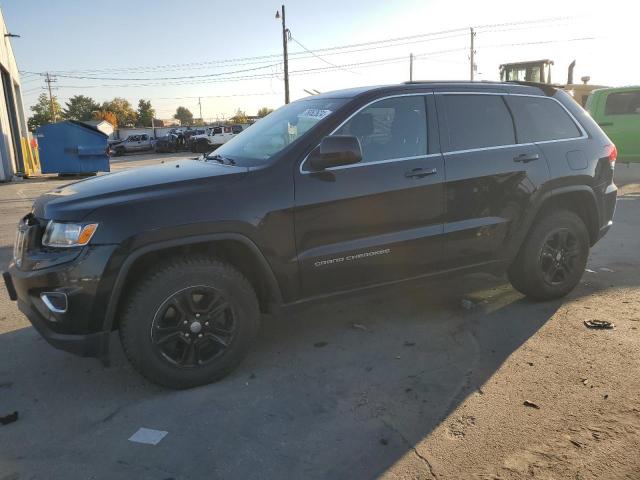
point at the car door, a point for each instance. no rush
(133, 143)
(379, 220)
(620, 120)
(489, 177)
(145, 142)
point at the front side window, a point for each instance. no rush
(540, 119)
(623, 103)
(390, 128)
(279, 129)
(477, 121)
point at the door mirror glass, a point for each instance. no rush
(335, 151)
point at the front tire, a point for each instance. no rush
(553, 257)
(189, 322)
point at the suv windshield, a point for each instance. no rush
(279, 129)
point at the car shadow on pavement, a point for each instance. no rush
(331, 389)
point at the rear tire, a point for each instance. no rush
(553, 257)
(190, 322)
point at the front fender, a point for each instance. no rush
(125, 264)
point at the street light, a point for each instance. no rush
(285, 54)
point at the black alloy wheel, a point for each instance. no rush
(558, 256)
(193, 327)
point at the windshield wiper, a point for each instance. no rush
(220, 158)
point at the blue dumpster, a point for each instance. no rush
(72, 147)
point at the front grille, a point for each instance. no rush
(27, 230)
(19, 246)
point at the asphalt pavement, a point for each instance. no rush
(348, 388)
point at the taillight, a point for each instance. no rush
(613, 155)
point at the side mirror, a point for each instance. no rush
(335, 151)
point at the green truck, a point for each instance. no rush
(617, 111)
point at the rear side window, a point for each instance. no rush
(540, 119)
(391, 128)
(477, 121)
(623, 103)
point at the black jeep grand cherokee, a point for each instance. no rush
(337, 192)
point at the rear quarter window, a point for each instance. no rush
(623, 103)
(540, 119)
(477, 121)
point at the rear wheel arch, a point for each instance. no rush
(234, 249)
(579, 199)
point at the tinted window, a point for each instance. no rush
(539, 119)
(623, 103)
(391, 128)
(477, 121)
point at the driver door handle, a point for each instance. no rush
(420, 172)
(526, 157)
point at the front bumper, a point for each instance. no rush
(84, 345)
(78, 329)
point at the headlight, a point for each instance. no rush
(59, 234)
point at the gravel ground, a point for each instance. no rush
(403, 383)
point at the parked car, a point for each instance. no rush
(337, 193)
(617, 111)
(167, 144)
(133, 143)
(214, 137)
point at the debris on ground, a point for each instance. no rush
(605, 269)
(320, 344)
(588, 270)
(359, 326)
(606, 396)
(148, 436)
(576, 443)
(527, 403)
(599, 324)
(467, 304)
(585, 381)
(7, 419)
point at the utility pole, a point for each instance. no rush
(49, 81)
(411, 67)
(286, 55)
(200, 107)
(472, 53)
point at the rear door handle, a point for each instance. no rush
(420, 172)
(526, 157)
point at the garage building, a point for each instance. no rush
(13, 125)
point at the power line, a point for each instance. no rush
(319, 57)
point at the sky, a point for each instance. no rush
(174, 52)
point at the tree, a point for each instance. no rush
(198, 122)
(105, 115)
(145, 113)
(264, 111)
(123, 111)
(80, 107)
(42, 112)
(184, 116)
(239, 117)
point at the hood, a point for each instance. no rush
(75, 201)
